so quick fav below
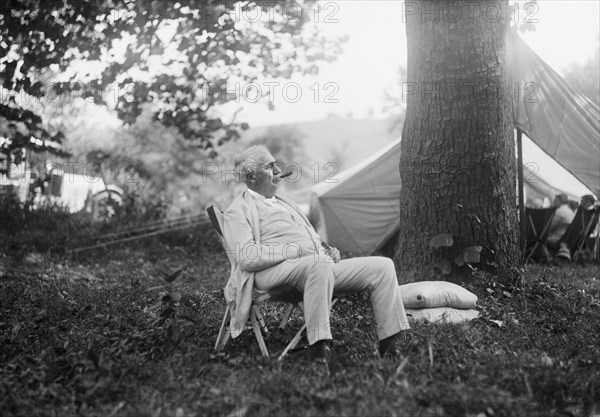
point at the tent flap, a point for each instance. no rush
(561, 154)
(562, 122)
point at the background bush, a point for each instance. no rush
(49, 228)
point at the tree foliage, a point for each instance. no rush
(183, 57)
(285, 143)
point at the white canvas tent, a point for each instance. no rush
(360, 211)
(544, 177)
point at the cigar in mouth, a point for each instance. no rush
(287, 174)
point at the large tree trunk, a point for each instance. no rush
(458, 154)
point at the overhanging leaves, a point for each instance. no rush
(170, 69)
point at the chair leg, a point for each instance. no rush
(258, 334)
(286, 316)
(293, 342)
(225, 338)
(531, 252)
(224, 331)
(260, 318)
(579, 252)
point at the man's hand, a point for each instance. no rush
(332, 252)
(335, 254)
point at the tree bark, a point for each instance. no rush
(458, 154)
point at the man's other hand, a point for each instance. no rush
(334, 254)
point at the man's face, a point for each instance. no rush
(266, 180)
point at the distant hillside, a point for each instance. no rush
(338, 139)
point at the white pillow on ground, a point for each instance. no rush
(442, 315)
(429, 294)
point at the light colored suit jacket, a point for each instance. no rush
(241, 233)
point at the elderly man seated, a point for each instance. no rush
(274, 244)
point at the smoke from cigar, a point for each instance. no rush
(287, 174)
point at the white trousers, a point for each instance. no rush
(318, 278)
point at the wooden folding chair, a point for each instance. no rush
(576, 235)
(283, 294)
(537, 230)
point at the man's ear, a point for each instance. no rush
(250, 178)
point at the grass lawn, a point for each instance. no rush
(79, 336)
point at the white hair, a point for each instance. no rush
(248, 161)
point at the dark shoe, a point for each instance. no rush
(561, 261)
(387, 345)
(319, 358)
(319, 352)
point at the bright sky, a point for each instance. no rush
(566, 32)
